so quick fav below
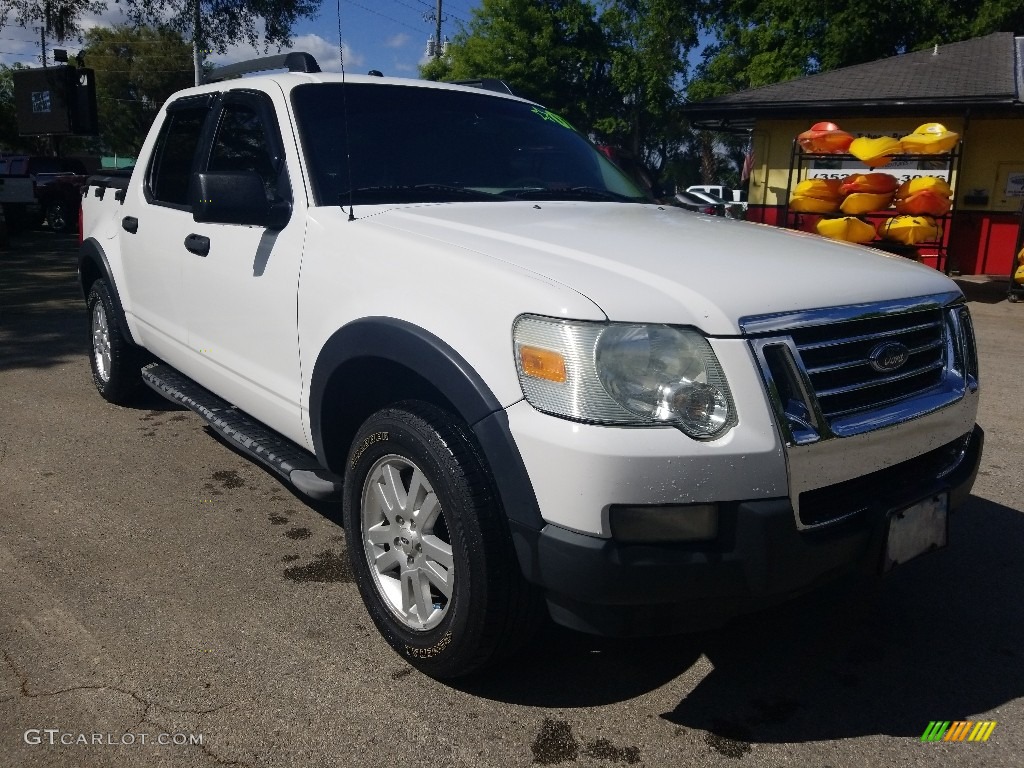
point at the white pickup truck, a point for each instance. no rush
(529, 386)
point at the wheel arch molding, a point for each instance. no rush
(373, 362)
(93, 266)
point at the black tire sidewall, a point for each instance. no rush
(124, 370)
(444, 650)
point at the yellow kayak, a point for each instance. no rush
(848, 228)
(910, 230)
(875, 183)
(804, 204)
(875, 152)
(930, 183)
(823, 189)
(929, 139)
(865, 202)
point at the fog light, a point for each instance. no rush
(663, 523)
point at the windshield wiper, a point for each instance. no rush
(409, 193)
(570, 193)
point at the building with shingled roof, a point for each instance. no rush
(974, 87)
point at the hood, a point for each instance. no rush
(647, 263)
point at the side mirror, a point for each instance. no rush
(236, 197)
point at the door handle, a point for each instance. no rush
(130, 224)
(198, 244)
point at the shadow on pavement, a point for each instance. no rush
(42, 314)
(937, 640)
(985, 290)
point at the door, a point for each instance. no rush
(154, 219)
(240, 296)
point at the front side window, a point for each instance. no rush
(243, 143)
(393, 144)
(170, 171)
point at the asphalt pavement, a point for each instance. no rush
(165, 602)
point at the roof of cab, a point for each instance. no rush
(303, 67)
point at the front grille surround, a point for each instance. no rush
(820, 380)
(817, 364)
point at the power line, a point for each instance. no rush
(384, 16)
(429, 7)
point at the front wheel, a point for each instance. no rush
(116, 364)
(429, 544)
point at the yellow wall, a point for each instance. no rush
(993, 150)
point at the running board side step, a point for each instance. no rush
(283, 457)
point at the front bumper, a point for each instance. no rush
(601, 586)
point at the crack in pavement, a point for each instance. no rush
(147, 706)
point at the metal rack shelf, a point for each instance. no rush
(799, 165)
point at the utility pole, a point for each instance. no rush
(435, 47)
(42, 42)
(197, 41)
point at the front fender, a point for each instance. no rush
(433, 360)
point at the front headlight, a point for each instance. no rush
(624, 374)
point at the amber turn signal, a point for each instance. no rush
(542, 364)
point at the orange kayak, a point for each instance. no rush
(824, 138)
(875, 183)
(925, 202)
(930, 183)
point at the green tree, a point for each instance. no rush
(59, 18)
(759, 42)
(213, 25)
(615, 69)
(137, 70)
(650, 41)
(551, 51)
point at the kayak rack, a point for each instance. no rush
(947, 164)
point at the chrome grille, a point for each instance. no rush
(837, 359)
(840, 371)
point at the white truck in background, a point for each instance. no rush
(735, 199)
(532, 388)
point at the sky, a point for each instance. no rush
(387, 35)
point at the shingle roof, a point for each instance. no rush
(985, 71)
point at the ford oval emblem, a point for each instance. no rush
(889, 357)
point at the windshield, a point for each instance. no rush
(421, 144)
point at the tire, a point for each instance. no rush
(116, 363)
(59, 217)
(429, 543)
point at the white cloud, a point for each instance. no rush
(22, 45)
(397, 41)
